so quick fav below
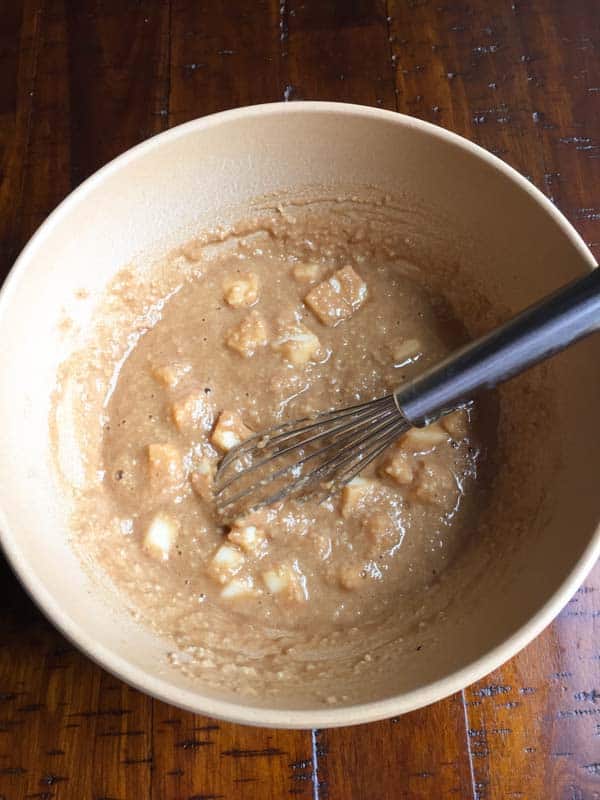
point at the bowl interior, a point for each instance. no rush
(143, 203)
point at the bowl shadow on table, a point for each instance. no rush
(28, 640)
(19, 610)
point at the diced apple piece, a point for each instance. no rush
(238, 587)
(456, 424)
(419, 439)
(241, 289)
(275, 580)
(193, 411)
(355, 494)
(225, 563)
(202, 478)
(406, 351)
(322, 543)
(160, 536)
(284, 579)
(380, 529)
(298, 344)
(250, 334)
(436, 484)
(165, 466)
(193, 250)
(351, 576)
(169, 375)
(249, 538)
(399, 466)
(229, 431)
(337, 298)
(306, 273)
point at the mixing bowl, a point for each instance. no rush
(138, 205)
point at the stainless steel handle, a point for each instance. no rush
(533, 335)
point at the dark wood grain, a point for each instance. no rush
(223, 55)
(82, 81)
(197, 756)
(339, 51)
(534, 724)
(418, 756)
(118, 77)
(19, 46)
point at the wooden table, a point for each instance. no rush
(83, 80)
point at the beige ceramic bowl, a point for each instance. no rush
(184, 176)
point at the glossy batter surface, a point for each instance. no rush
(282, 317)
(189, 390)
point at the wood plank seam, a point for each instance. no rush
(463, 700)
(315, 764)
(388, 20)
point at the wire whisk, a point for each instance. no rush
(313, 456)
(317, 455)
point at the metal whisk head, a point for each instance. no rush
(312, 456)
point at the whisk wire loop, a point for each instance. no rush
(355, 435)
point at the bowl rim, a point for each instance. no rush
(316, 717)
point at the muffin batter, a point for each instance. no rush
(239, 330)
(252, 343)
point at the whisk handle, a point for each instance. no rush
(532, 336)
